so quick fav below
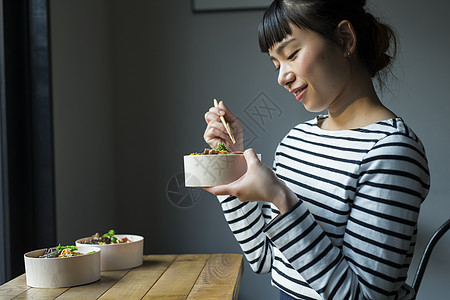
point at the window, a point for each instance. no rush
(27, 203)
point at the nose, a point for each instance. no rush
(285, 77)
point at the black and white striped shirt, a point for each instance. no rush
(352, 233)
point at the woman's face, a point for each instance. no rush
(312, 68)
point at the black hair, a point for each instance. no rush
(374, 38)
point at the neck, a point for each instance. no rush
(357, 107)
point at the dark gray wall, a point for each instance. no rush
(83, 93)
(132, 81)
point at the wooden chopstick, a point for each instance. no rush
(226, 124)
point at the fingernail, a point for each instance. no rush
(221, 112)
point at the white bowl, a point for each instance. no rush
(64, 271)
(119, 256)
(206, 170)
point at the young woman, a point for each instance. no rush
(336, 216)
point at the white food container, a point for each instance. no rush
(64, 271)
(119, 256)
(206, 170)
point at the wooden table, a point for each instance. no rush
(196, 276)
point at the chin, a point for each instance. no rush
(313, 106)
(314, 109)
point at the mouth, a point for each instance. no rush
(299, 92)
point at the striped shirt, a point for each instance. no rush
(352, 233)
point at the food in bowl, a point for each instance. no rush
(213, 167)
(61, 252)
(221, 149)
(125, 251)
(105, 239)
(64, 271)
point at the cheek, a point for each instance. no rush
(307, 63)
(316, 64)
(330, 70)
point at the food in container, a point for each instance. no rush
(118, 251)
(62, 251)
(105, 239)
(213, 167)
(62, 266)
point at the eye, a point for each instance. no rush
(292, 55)
(276, 64)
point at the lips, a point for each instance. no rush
(299, 92)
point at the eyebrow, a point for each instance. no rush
(281, 46)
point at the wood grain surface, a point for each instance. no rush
(186, 276)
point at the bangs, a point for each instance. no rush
(274, 27)
(310, 15)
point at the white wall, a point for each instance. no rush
(132, 80)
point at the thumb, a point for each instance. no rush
(250, 156)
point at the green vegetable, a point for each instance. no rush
(222, 147)
(72, 248)
(111, 234)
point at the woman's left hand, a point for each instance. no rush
(259, 183)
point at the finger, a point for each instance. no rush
(216, 129)
(217, 125)
(226, 189)
(211, 116)
(228, 114)
(213, 136)
(217, 190)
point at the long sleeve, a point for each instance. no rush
(353, 231)
(372, 263)
(247, 221)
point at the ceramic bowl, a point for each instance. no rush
(119, 256)
(62, 272)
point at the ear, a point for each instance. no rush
(347, 37)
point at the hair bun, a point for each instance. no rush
(361, 3)
(356, 3)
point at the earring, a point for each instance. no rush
(349, 55)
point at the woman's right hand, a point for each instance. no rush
(215, 132)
